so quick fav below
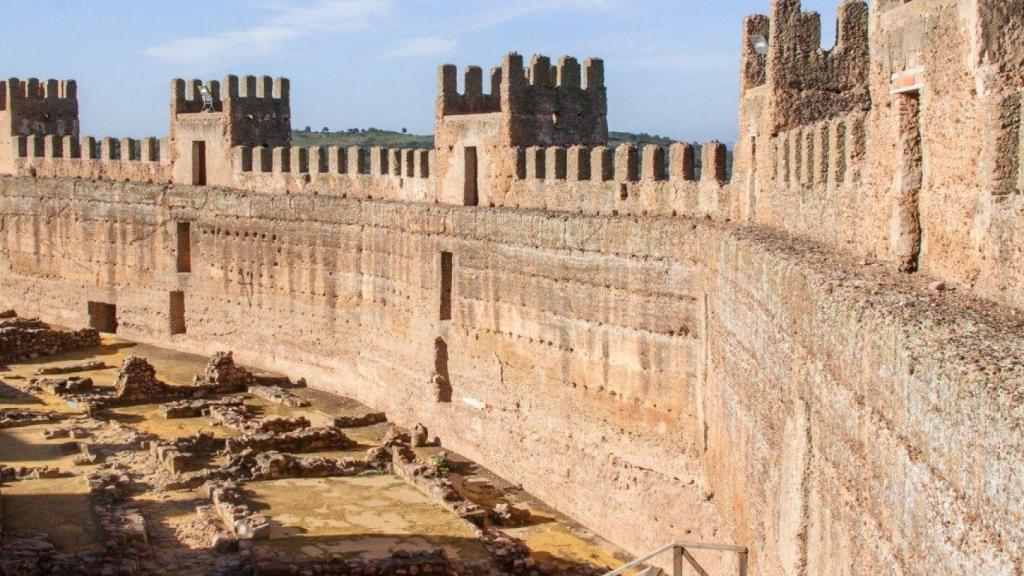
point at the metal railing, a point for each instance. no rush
(681, 552)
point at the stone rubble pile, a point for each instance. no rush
(10, 473)
(401, 562)
(368, 419)
(224, 376)
(278, 395)
(297, 441)
(195, 408)
(240, 520)
(12, 418)
(82, 367)
(137, 383)
(29, 338)
(174, 456)
(64, 386)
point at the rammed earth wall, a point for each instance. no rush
(654, 377)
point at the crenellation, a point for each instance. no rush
(578, 163)
(71, 147)
(378, 161)
(242, 158)
(337, 160)
(34, 146)
(602, 164)
(837, 152)
(262, 159)
(318, 160)
(298, 162)
(627, 163)
(89, 148)
(52, 146)
(422, 163)
(358, 162)
(394, 162)
(568, 73)
(109, 149)
(652, 163)
(149, 149)
(555, 163)
(281, 159)
(682, 162)
(713, 162)
(408, 160)
(536, 162)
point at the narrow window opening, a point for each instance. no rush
(198, 163)
(470, 195)
(184, 250)
(177, 312)
(908, 232)
(102, 317)
(446, 286)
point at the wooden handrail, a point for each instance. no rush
(680, 552)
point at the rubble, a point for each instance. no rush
(302, 440)
(82, 367)
(28, 338)
(224, 376)
(368, 419)
(278, 395)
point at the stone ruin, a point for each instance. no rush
(224, 376)
(28, 338)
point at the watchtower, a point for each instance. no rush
(34, 107)
(208, 119)
(544, 105)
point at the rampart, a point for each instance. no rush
(818, 358)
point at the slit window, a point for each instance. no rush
(446, 286)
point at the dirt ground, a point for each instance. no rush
(367, 516)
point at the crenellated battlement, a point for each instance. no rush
(807, 84)
(33, 89)
(542, 104)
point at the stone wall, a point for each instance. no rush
(824, 152)
(690, 379)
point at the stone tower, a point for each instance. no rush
(246, 111)
(35, 108)
(476, 134)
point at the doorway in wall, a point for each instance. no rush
(102, 317)
(199, 163)
(470, 195)
(176, 312)
(184, 247)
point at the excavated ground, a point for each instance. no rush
(368, 516)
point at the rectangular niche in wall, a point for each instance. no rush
(103, 317)
(184, 249)
(470, 195)
(177, 312)
(446, 286)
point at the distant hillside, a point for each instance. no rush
(365, 138)
(390, 139)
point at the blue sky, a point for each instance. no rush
(672, 66)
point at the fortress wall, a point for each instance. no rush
(124, 160)
(654, 377)
(938, 189)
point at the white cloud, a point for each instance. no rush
(416, 47)
(287, 22)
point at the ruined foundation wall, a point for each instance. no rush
(654, 377)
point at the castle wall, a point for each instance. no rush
(654, 377)
(945, 197)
